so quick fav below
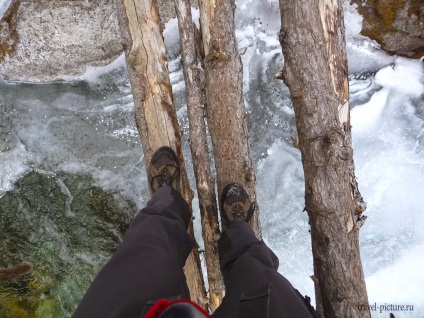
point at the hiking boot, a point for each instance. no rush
(164, 170)
(236, 204)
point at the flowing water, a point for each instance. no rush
(72, 172)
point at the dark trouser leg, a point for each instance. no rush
(254, 288)
(147, 265)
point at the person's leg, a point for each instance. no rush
(254, 288)
(148, 265)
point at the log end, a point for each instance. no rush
(15, 271)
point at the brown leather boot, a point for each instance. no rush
(164, 170)
(236, 204)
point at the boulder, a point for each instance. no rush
(397, 25)
(68, 227)
(43, 41)
(49, 40)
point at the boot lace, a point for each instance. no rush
(165, 177)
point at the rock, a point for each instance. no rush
(167, 9)
(397, 25)
(67, 227)
(45, 41)
(42, 41)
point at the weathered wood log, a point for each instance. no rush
(315, 70)
(15, 271)
(155, 113)
(225, 104)
(199, 149)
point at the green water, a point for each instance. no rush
(67, 228)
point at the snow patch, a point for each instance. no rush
(4, 5)
(93, 74)
(403, 275)
(14, 164)
(404, 76)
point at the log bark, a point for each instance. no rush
(155, 113)
(199, 149)
(15, 271)
(225, 105)
(315, 71)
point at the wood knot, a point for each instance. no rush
(279, 75)
(249, 177)
(360, 221)
(216, 53)
(282, 36)
(345, 153)
(203, 189)
(330, 138)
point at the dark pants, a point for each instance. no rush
(149, 265)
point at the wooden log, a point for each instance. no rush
(225, 104)
(199, 150)
(15, 271)
(315, 71)
(155, 113)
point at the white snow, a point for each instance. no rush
(14, 164)
(404, 77)
(93, 74)
(401, 283)
(389, 158)
(4, 5)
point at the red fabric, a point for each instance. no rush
(162, 304)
